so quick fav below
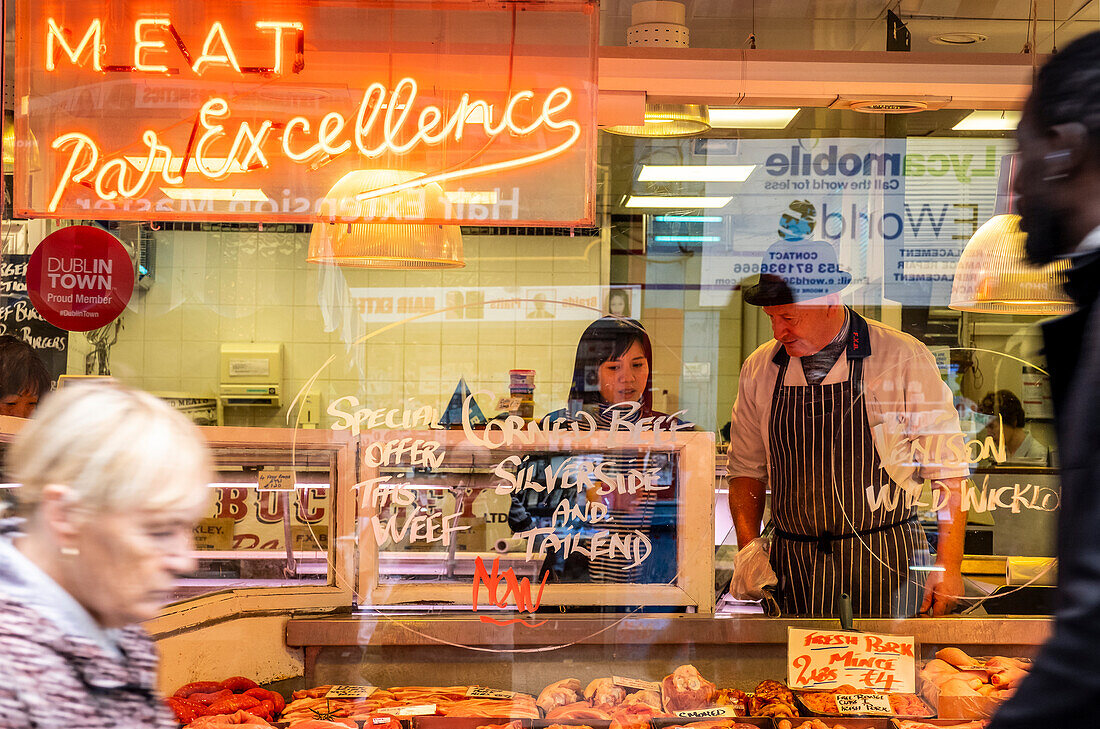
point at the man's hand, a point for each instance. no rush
(942, 591)
(752, 572)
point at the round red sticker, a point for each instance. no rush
(80, 278)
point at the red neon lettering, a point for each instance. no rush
(518, 590)
(227, 57)
(141, 45)
(131, 176)
(92, 37)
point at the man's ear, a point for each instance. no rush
(58, 514)
(1067, 149)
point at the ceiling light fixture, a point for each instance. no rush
(957, 39)
(661, 201)
(988, 121)
(397, 245)
(667, 120)
(662, 24)
(220, 194)
(695, 173)
(994, 276)
(740, 118)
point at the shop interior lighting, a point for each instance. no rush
(988, 121)
(664, 201)
(472, 197)
(9, 146)
(695, 173)
(740, 118)
(215, 193)
(176, 164)
(687, 238)
(688, 218)
(994, 277)
(398, 245)
(667, 120)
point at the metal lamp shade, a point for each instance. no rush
(384, 245)
(668, 120)
(993, 275)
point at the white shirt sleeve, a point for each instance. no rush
(747, 454)
(921, 432)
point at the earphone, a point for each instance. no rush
(1053, 158)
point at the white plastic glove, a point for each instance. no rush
(752, 571)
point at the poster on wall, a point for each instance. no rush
(374, 111)
(19, 318)
(897, 211)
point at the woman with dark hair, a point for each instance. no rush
(24, 379)
(612, 381)
(612, 367)
(1009, 421)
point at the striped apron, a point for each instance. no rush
(828, 539)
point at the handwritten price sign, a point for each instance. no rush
(718, 712)
(825, 659)
(350, 692)
(481, 692)
(863, 704)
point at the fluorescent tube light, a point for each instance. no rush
(687, 218)
(745, 118)
(177, 164)
(695, 173)
(988, 121)
(214, 193)
(687, 238)
(472, 197)
(662, 201)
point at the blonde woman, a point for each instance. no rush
(112, 482)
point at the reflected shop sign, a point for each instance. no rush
(898, 211)
(251, 110)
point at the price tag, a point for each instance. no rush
(275, 481)
(480, 692)
(636, 683)
(859, 704)
(717, 712)
(825, 659)
(350, 692)
(418, 710)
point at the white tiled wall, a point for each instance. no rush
(222, 287)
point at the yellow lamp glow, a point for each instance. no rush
(993, 275)
(409, 245)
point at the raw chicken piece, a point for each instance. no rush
(603, 692)
(956, 657)
(960, 687)
(1008, 678)
(1003, 662)
(559, 693)
(685, 689)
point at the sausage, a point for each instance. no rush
(211, 698)
(185, 711)
(275, 698)
(197, 687)
(234, 704)
(239, 684)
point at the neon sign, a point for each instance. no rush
(271, 123)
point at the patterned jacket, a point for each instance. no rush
(50, 679)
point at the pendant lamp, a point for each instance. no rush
(8, 151)
(994, 275)
(662, 24)
(384, 245)
(667, 120)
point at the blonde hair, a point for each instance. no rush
(115, 448)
